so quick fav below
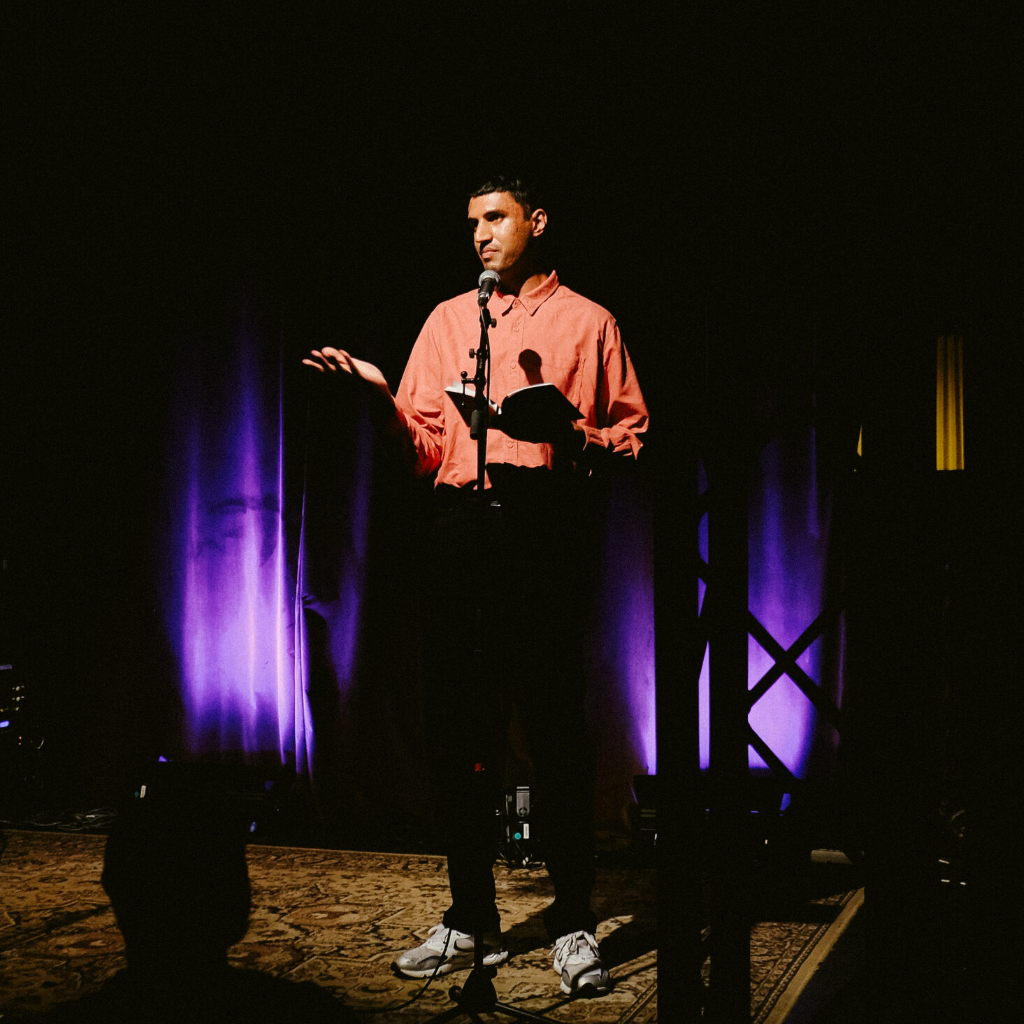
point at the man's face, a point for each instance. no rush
(501, 231)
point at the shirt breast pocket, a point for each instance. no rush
(564, 370)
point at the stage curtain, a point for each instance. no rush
(294, 589)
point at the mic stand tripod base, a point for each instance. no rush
(478, 996)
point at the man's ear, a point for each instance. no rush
(538, 222)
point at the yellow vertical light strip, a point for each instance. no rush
(949, 403)
(941, 432)
(958, 404)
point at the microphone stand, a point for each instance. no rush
(477, 995)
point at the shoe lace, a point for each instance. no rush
(443, 939)
(569, 945)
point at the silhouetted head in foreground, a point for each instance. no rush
(176, 875)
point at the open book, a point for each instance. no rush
(538, 412)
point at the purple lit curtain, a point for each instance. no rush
(291, 587)
(802, 445)
(620, 666)
(231, 575)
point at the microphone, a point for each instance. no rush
(488, 281)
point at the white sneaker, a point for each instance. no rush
(446, 949)
(578, 964)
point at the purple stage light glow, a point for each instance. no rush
(240, 608)
(788, 540)
(635, 656)
(233, 621)
(788, 536)
(626, 618)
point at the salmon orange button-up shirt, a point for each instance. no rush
(550, 334)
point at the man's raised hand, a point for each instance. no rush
(334, 360)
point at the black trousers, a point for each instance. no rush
(508, 615)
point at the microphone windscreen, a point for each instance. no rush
(488, 282)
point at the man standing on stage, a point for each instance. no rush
(531, 542)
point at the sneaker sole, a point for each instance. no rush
(433, 972)
(586, 989)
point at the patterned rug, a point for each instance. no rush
(338, 918)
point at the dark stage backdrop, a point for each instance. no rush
(292, 585)
(191, 535)
(195, 536)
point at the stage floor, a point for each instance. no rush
(338, 918)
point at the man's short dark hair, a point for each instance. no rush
(523, 192)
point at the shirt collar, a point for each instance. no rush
(533, 300)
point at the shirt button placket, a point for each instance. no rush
(517, 336)
(513, 366)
